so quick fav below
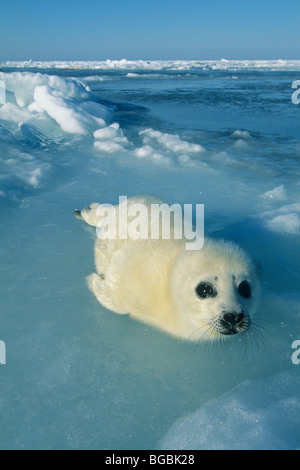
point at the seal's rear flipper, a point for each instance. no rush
(89, 215)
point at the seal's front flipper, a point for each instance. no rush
(104, 294)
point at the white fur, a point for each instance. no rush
(154, 280)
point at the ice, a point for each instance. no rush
(240, 135)
(2, 92)
(71, 116)
(165, 148)
(256, 415)
(14, 113)
(145, 151)
(241, 145)
(43, 110)
(285, 220)
(23, 84)
(178, 65)
(277, 194)
(110, 139)
(162, 147)
(108, 147)
(20, 171)
(289, 224)
(66, 101)
(78, 376)
(169, 142)
(109, 132)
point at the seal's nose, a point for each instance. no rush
(233, 319)
(234, 323)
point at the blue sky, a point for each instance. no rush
(149, 29)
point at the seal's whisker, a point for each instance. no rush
(254, 338)
(257, 336)
(198, 340)
(193, 336)
(207, 339)
(257, 325)
(251, 340)
(244, 344)
(260, 334)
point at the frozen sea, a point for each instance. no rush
(225, 134)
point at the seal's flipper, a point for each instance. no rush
(89, 214)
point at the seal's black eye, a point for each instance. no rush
(244, 290)
(205, 290)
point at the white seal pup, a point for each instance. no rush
(193, 295)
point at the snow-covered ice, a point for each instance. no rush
(261, 414)
(208, 132)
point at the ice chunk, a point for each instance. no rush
(66, 101)
(108, 146)
(111, 133)
(261, 414)
(240, 135)
(166, 141)
(241, 145)
(289, 223)
(145, 151)
(108, 132)
(72, 116)
(21, 86)
(33, 177)
(13, 113)
(285, 220)
(276, 194)
(110, 139)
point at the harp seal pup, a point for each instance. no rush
(201, 295)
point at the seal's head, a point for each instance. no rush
(214, 291)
